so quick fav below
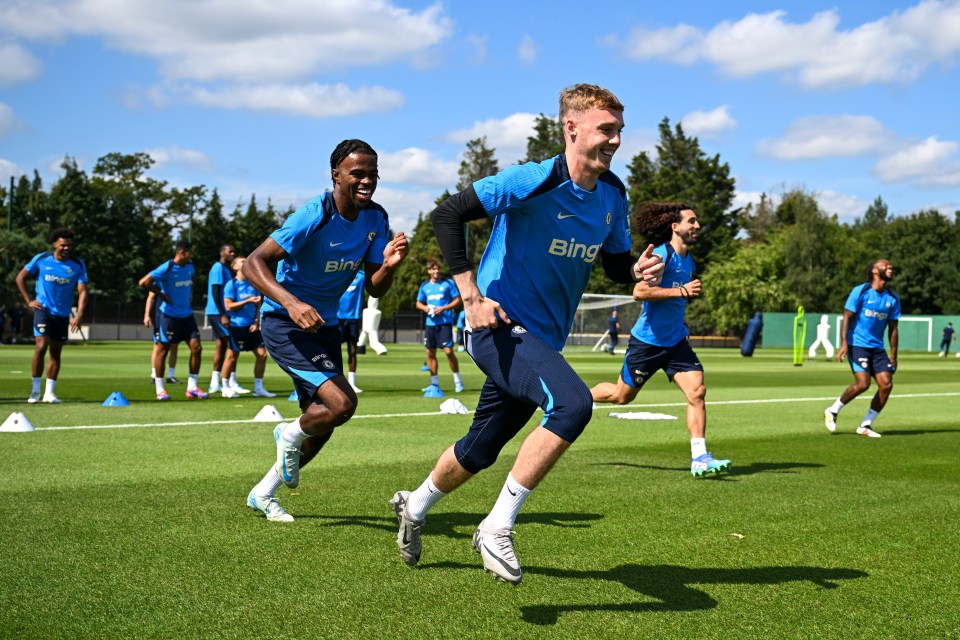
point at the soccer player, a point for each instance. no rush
(658, 340)
(350, 312)
(870, 310)
(151, 319)
(217, 316)
(552, 220)
(460, 326)
(173, 282)
(316, 252)
(57, 274)
(242, 302)
(948, 336)
(613, 330)
(438, 298)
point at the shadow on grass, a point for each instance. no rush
(670, 587)
(454, 525)
(735, 470)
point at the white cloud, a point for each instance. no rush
(417, 166)
(9, 170)
(17, 65)
(708, 123)
(404, 206)
(508, 136)
(178, 156)
(827, 137)
(846, 207)
(817, 54)
(527, 51)
(240, 40)
(931, 162)
(743, 198)
(8, 119)
(478, 47)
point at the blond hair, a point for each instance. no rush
(584, 97)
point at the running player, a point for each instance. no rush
(173, 283)
(316, 252)
(438, 298)
(658, 340)
(871, 310)
(57, 274)
(552, 220)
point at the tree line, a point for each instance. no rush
(776, 255)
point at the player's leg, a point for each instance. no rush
(859, 360)
(172, 363)
(160, 350)
(446, 342)
(53, 371)
(259, 368)
(41, 343)
(229, 366)
(431, 343)
(640, 362)
(196, 357)
(882, 370)
(221, 345)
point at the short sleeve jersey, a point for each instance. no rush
(661, 322)
(177, 283)
(238, 291)
(56, 281)
(324, 252)
(871, 310)
(438, 294)
(546, 235)
(219, 275)
(351, 302)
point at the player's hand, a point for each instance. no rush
(431, 310)
(146, 321)
(649, 267)
(396, 250)
(35, 304)
(693, 288)
(305, 316)
(224, 320)
(255, 299)
(75, 324)
(485, 313)
(841, 353)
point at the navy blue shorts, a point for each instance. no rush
(219, 331)
(47, 325)
(242, 339)
(438, 336)
(178, 329)
(350, 330)
(873, 361)
(643, 360)
(309, 358)
(156, 327)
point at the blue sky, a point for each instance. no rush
(849, 100)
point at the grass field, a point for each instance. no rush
(140, 530)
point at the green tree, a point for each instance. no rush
(547, 140)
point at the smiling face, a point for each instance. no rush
(688, 228)
(62, 248)
(593, 137)
(354, 182)
(884, 270)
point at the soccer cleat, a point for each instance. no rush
(212, 389)
(433, 391)
(34, 397)
(408, 537)
(707, 464)
(240, 389)
(867, 431)
(172, 380)
(830, 420)
(49, 398)
(356, 389)
(197, 394)
(458, 387)
(229, 393)
(495, 546)
(163, 395)
(263, 393)
(288, 459)
(424, 368)
(268, 506)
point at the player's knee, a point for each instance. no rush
(570, 419)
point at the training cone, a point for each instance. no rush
(16, 423)
(116, 399)
(269, 413)
(294, 397)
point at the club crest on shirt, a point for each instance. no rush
(371, 236)
(517, 329)
(609, 217)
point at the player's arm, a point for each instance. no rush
(625, 269)
(148, 309)
(448, 220)
(381, 275)
(260, 269)
(82, 291)
(453, 304)
(645, 291)
(217, 291)
(844, 327)
(22, 286)
(232, 305)
(147, 282)
(893, 334)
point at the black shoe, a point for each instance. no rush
(172, 380)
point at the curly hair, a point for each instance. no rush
(653, 220)
(349, 147)
(61, 232)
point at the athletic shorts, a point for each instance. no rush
(350, 330)
(309, 358)
(643, 360)
(438, 336)
(219, 331)
(156, 326)
(178, 329)
(47, 325)
(242, 339)
(873, 361)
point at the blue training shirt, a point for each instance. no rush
(661, 322)
(177, 283)
(238, 291)
(546, 236)
(872, 310)
(324, 252)
(56, 281)
(438, 294)
(219, 275)
(351, 302)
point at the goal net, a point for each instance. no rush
(591, 320)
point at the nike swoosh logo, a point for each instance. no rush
(560, 216)
(337, 244)
(405, 539)
(508, 568)
(511, 491)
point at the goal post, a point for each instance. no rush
(590, 327)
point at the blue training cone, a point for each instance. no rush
(424, 368)
(433, 391)
(116, 399)
(294, 397)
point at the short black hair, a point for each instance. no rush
(61, 232)
(348, 147)
(183, 245)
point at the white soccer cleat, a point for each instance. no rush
(268, 506)
(229, 393)
(409, 540)
(830, 420)
(263, 393)
(288, 459)
(356, 389)
(49, 398)
(34, 397)
(495, 546)
(867, 431)
(240, 389)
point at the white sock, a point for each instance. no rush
(269, 485)
(421, 500)
(171, 372)
(192, 381)
(159, 384)
(836, 406)
(153, 372)
(293, 434)
(36, 384)
(214, 379)
(698, 447)
(504, 512)
(352, 378)
(435, 380)
(867, 419)
(51, 386)
(456, 378)
(233, 379)
(258, 384)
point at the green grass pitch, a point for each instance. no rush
(140, 530)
